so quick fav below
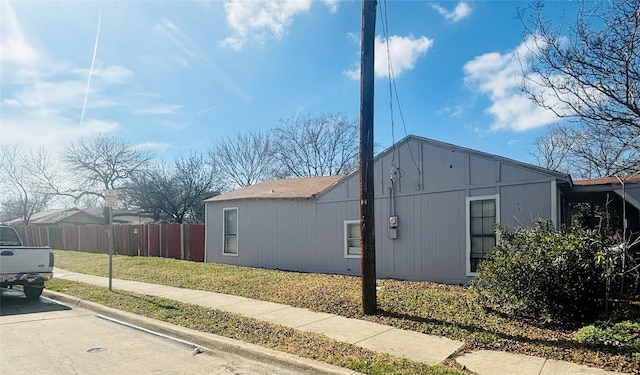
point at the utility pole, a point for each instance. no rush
(367, 212)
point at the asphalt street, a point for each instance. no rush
(45, 337)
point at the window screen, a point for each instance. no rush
(482, 214)
(231, 231)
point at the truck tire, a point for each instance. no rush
(33, 292)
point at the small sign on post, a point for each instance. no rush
(110, 198)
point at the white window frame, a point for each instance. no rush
(495, 197)
(224, 231)
(347, 223)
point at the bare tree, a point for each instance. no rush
(552, 149)
(322, 145)
(245, 158)
(590, 77)
(584, 154)
(176, 191)
(146, 192)
(102, 163)
(29, 180)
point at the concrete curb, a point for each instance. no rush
(207, 340)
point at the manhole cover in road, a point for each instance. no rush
(96, 350)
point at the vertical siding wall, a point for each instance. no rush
(285, 234)
(428, 196)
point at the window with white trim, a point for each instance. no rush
(352, 239)
(482, 215)
(230, 230)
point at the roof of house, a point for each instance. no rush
(607, 180)
(83, 216)
(291, 188)
(308, 187)
(59, 215)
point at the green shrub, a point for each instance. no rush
(544, 273)
(624, 334)
(590, 335)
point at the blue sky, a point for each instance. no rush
(175, 76)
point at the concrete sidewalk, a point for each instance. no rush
(377, 337)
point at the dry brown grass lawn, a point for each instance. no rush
(445, 310)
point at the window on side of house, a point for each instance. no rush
(230, 230)
(482, 215)
(352, 239)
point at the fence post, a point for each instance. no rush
(182, 241)
(187, 241)
(148, 238)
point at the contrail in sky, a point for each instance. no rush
(93, 61)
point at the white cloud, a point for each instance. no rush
(43, 107)
(404, 52)
(17, 51)
(52, 97)
(453, 111)
(260, 19)
(499, 77)
(159, 109)
(332, 5)
(11, 102)
(461, 11)
(112, 74)
(207, 110)
(13, 46)
(33, 130)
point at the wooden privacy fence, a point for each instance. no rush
(179, 241)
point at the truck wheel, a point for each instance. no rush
(33, 292)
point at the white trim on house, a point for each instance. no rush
(347, 254)
(468, 201)
(554, 204)
(206, 225)
(224, 231)
(634, 202)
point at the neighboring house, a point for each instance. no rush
(435, 208)
(75, 216)
(125, 217)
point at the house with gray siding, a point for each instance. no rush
(435, 209)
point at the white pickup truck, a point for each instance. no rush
(21, 265)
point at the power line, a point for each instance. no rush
(393, 90)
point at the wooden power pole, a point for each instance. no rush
(367, 212)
